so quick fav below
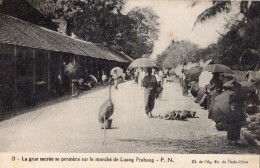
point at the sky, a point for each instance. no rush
(177, 19)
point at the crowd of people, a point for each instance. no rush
(237, 101)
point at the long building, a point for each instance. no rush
(31, 58)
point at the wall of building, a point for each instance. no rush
(30, 75)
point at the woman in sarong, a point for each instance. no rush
(150, 85)
(236, 114)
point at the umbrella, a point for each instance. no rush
(119, 70)
(193, 73)
(219, 107)
(73, 70)
(93, 78)
(218, 68)
(208, 62)
(248, 86)
(245, 85)
(143, 62)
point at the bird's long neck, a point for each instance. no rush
(110, 92)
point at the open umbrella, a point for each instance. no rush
(245, 85)
(218, 68)
(73, 70)
(219, 107)
(119, 70)
(208, 62)
(143, 62)
(193, 73)
(93, 78)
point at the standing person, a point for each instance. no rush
(115, 77)
(141, 77)
(185, 84)
(160, 74)
(58, 85)
(150, 85)
(159, 84)
(75, 88)
(236, 115)
(136, 74)
(104, 78)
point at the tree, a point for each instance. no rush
(242, 34)
(147, 26)
(178, 53)
(103, 22)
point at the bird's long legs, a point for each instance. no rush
(105, 134)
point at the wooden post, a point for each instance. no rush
(49, 71)
(15, 105)
(91, 66)
(33, 77)
(61, 66)
(85, 63)
(14, 68)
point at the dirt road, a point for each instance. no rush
(72, 126)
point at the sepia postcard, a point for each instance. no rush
(129, 83)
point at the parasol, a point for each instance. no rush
(214, 68)
(93, 78)
(143, 62)
(119, 70)
(248, 86)
(208, 62)
(73, 70)
(193, 73)
(245, 85)
(219, 107)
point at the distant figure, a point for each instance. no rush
(185, 84)
(216, 84)
(104, 78)
(160, 74)
(136, 76)
(150, 85)
(75, 88)
(115, 77)
(252, 102)
(58, 85)
(216, 87)
(141, 77)
(236, 115)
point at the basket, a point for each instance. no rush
(107, 125)
(185, 113)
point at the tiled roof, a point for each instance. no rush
(18, 32)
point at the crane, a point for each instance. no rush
(105, 112)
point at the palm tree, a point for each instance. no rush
(242, 34)
(250, 9)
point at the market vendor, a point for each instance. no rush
(236, 115)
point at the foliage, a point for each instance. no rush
(102, 22)
(147, 26)
(217, 7)
(242, 34)
(178, 53)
